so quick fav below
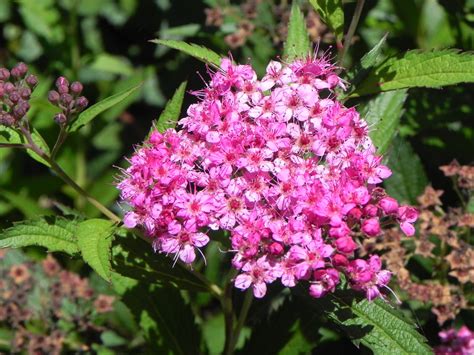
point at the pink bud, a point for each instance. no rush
(346, 245)
(370, 210)
(339, 261)
(388, 205)
(275, 248)
(371, 227)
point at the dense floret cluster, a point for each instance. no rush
(282, 166)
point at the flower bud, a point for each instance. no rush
(339, 261)
(275, 248)
(63, 89)
(14, 97)
(53, 97)
(81, 103)
(6, 119)
(19, 70)
(9, 87)
(76, 88)
(2, 90)
(371, 227)
(60, 118)
(388, 205)
(31, 80)
(21, 109)
(370, 210)
(25, 92)
(66, 99)
(61, 81)
(346, 245)
(4, 74)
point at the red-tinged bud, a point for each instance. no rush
(370, 210)
(355, 213)
(371, 227)
(6, 119)
(25, 93)
(340, 261)
(81, 103)
(2, 90)
(61, 81)
(14, 96)
(66, 99)
(63, 89)
(60, 118)
(53, 97)
(275, 248)
(76, 88)
(31, 80)
(4, 74)
(9, 87)
(19, 70)
(20, 110)
(346, 245)
(389, 205)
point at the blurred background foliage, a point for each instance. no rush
(105, 44)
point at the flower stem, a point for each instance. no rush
(242, 317)
(227, 308)
(61, 138)
(351, 31)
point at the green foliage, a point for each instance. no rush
(172, 110)
(419, 69)
(383, 116)
(332, 14)
(408, 178)
(95, 110)
(297, 42)
(94, 238)
(53, 233)
(202, 53)
(9, 135)
(166, 319)
(375, 324)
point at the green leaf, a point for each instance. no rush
(94, 238)
(53, 233)
(408, 178)
(166, 319)
(331, 14)
(24, 203)
(202, 53)
(112, 64)
(135, 259)
(383, 116)
(95, 110)
(9, 135)
(419, 69)
(376, 324)
(172, 110)
(297, 42)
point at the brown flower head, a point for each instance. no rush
(104, 303)
(430, 197)
(19, 273)
(451, 169)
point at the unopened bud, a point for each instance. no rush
(2, 90)
(60, 118)
(6, 119)
(4, 74)
(63, 89)
(31, 81)
(9, 87)
(53, 97)
(19, 70)
(66, 99)
(81, 103)
(14, 96)
(25, 93)
(61, 81)
(21, 109)
(76, 88)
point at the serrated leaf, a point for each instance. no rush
(375, 324)
(297, 41)
(166, 319)
(419, 69)
(383, 116)
(408, 179)
(331, 14)
(94, 238)
(95, 110)
(28, 206)
(134, 258)
(53, 233)
(172, 110)
(202, 53)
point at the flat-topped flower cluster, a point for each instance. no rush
(282, 166)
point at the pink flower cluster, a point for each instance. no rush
(285, 168)
(456, 342)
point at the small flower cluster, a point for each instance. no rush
(15, 91)
(289, 171)
(456, 342)
(67, 99)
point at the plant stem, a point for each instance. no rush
(226, 303)
(351, 31)
(242, 317)
(12, 145)
(61, 138)
(65, 177)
